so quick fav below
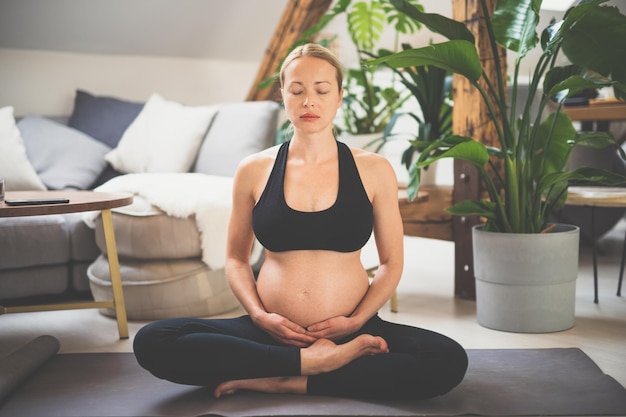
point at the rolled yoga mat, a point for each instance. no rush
(16, 367)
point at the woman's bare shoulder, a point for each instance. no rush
(375, 171)
(371, 162)
(254, 170)
(259, 160)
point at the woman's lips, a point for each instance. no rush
(309, 117)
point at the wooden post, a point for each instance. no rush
(299, 15)
(470, 118)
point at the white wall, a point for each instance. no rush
(44, 82)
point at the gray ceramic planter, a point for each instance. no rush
(526, 283)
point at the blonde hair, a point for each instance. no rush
(316, 51)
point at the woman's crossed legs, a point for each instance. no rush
(227, 355)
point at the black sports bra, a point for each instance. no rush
(344, 227)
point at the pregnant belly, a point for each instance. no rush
(310, 296)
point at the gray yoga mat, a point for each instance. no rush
(499, 382)
(17, 366)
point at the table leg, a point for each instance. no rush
(116, 278)
(595, 255)
(621, 269)
(393, 302)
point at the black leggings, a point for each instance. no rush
(420, 363)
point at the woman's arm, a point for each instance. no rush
(389, 237)
(240, 240)
(239, 245)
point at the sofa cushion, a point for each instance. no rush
(34, 240)
(78, 276)
(15, 167)
(62, 156)
(239, 129)
(34, 281)
(158, 290)
(164, 137)
(103, 118)
(83, 245)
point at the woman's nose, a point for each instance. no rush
(308, 101)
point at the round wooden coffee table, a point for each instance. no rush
(79, 201)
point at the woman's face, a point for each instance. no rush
(311, 94)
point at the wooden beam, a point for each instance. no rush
(299, 15)
(470, 118)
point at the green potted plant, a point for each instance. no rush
(369, 108)
(533, 150)
(431, 87)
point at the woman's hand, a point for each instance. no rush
(334, 328)
(284, 330)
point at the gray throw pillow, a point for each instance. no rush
(238, 130)
(103, 118)
(63, 157)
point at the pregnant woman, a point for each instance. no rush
(311, 325)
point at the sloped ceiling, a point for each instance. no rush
(216, 29)
(237, 30)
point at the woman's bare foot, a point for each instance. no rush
(283, 385)
(322, 356)
(325, 356)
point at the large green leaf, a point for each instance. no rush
(574, 85)
(366, 22)
(480, 208)
(553, 142)
(401, 22)
(598, 140)
(515, 24)
(455, 56)
(552, 36)
(563, 82)
(596, 42)
(452, 146)
(584, 174)
(449, 28)
(468, 150)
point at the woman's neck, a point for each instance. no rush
(313, 149)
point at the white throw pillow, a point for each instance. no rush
(15, 167)
(165, 137)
